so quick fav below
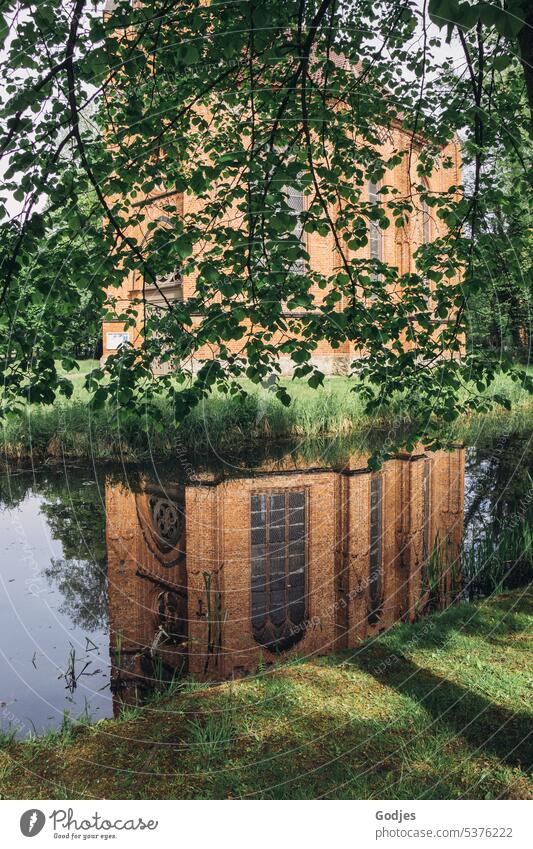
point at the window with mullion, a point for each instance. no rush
(278, 567)
(294, 197)
(296, 202)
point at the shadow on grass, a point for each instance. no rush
(485, 726)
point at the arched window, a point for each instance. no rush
(169, 287)
(375, 234)
(375, 574)
(278, 568)
(295, 199)
(296, 202)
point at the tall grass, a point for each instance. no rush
(72, 429)
(210, 735)
(501, 559)
(441, 577)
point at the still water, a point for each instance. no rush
(114, 581)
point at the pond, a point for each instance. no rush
(116, 581)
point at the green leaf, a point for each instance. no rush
(316, 380)
(4, 30)
(283, 396)
(502, 62)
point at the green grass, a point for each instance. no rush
(440, 709)
(211, 736)
(70, 429)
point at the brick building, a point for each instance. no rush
(215, 576)
(393, 246)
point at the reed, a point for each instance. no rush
(496, 560)
(501, 559)
(72, 429)
(440, 581)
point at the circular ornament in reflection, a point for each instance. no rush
(167, 522)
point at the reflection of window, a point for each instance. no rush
(375, 235)
(171, 616)
(278, 568)
(427, 509)
(167, 521)
(162, 521)
(375, 577)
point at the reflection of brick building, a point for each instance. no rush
(213, 577)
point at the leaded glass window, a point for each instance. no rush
(278, 567)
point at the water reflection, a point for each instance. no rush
(117, 580)
(54, 638)
(218, 576)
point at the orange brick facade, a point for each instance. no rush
(181, 566)
(397, 246)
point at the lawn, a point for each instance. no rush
(441, 709)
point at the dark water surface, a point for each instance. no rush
(115, 580)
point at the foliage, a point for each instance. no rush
(66, 254)
(499, 313)
(271, 98)
(497, 551)
(499, 560)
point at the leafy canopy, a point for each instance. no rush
(109, 119)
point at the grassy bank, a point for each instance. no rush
(436, 710)
(71, 429)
